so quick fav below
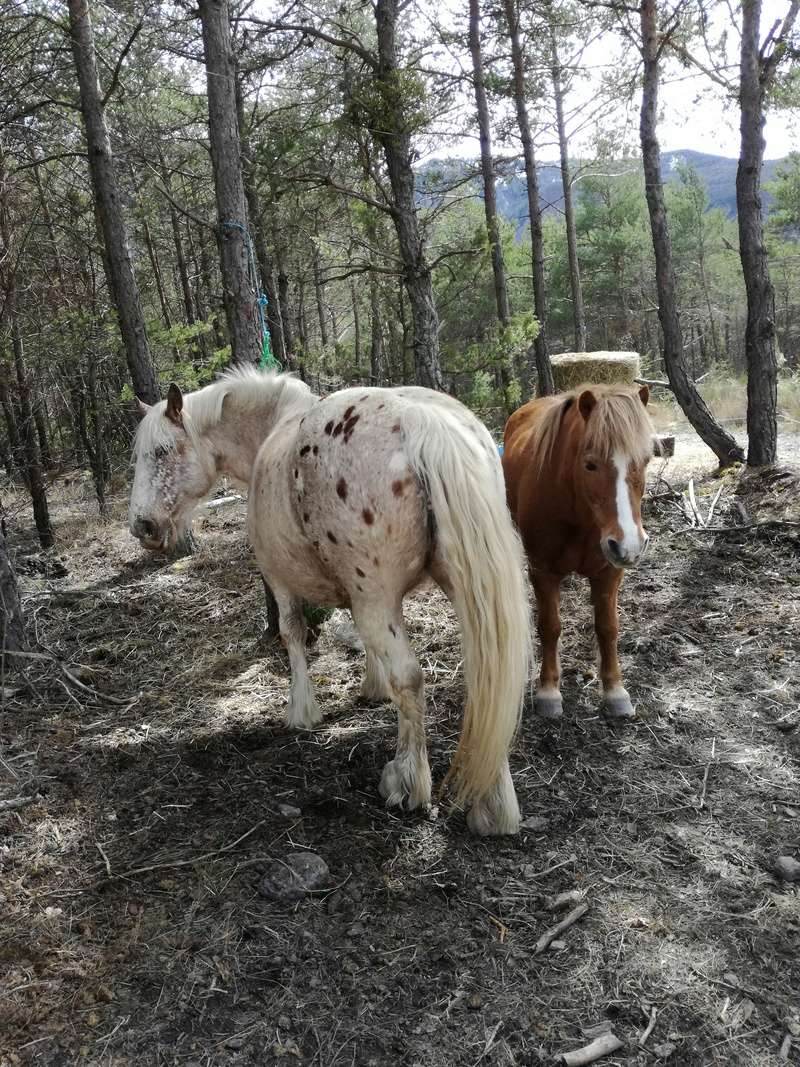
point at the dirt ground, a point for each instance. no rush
(148, 750)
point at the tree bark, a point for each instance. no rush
(265, 263)
(487, 168)
(376, 358)
(319, 292)
(12, 622)
(30, 443)
(391, 131)
(239, 299)
(718, 440)
(760, 352)
(121, 280)
(544, 371)
(576, 288)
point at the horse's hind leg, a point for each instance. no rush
(302, 710)
(406, 780)
(375, 685)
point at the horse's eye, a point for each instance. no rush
(591, 466)
(161, 452)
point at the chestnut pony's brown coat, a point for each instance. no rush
(574, 466)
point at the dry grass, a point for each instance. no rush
(572, 369)
(727, 398)
(132, 932)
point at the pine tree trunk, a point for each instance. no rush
(487, 168)
(376, 335)
(121, 279)
(265, 264)
(319, 292)
(578, 315)
(391, 132)
(544, 371)
(356, 325)
(240, 301)
(12, 622)
(30, 443)
(718, 440)
(762, 366)
(152, 255)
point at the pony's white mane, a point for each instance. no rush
(252, 390)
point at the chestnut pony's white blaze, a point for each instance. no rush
(354, 500)
(574, 467)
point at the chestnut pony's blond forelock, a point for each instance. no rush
(618, 422)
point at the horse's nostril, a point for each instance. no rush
(614, 548)
(144, 528)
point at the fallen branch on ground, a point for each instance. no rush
(602, 1046)
(763, 525)
(15, 803)
(553, 932)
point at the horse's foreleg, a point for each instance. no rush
(547, 700)
(406, 780)
(616, 704)
(302, 710)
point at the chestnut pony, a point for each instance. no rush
(574, 466)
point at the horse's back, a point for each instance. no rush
(519, 451)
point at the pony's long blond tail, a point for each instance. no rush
(457, 462)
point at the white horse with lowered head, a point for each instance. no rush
(354, 500)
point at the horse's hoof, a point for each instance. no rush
(303, 718)
(617, 707)
(400, 788)
(550, 708)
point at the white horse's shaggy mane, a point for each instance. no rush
(253, 390)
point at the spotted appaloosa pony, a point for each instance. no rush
(354, 500)
(574, 467)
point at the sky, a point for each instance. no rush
(694, 113)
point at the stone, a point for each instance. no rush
(289, 811)
(293, 877)
(787, 868)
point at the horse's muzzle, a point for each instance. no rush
(619, 556)
(148, 533)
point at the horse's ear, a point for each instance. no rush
(174, 404)
(140, 408)
(644, 394)
(586, 403)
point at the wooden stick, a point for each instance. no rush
(602, 1046)
(765, 523)
(558, 903)
(693, 502)
(651, 1025)
(710, 515)
(553, 932)
(15, 803)
(223, 502)
(194, 859)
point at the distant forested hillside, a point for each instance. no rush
(716, 173)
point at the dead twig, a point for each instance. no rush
(189, 862)
(651, 1025)
(15, 803)
(563, 900)
(763, 525)
(602, 1046)
(551, 934)
(710, 515)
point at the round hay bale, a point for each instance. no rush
(572, 369)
